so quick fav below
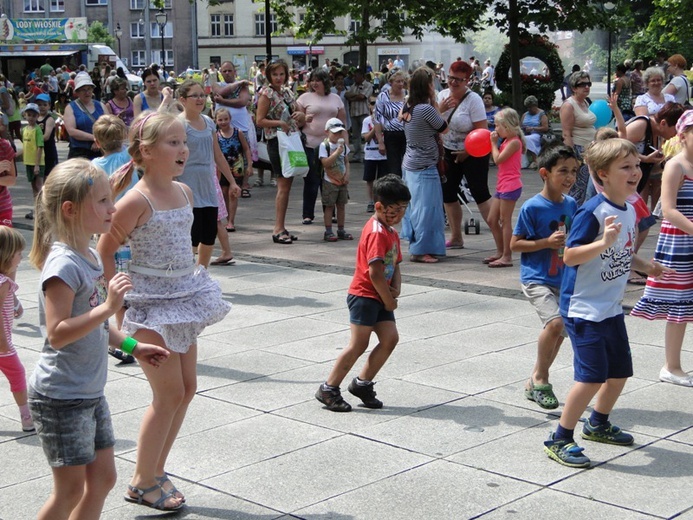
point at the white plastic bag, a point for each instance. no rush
(292, 155)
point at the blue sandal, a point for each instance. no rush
(159, 504)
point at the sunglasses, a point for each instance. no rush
(588, 84)
(453, 79)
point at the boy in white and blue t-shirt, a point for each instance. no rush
(599, 254)
(539, 236)
(333, 157)
(374, 163)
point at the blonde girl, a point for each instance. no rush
(204, 155)
(11, 246)
(668, 298)
(508, 157)
(171, 300)
(66, 390)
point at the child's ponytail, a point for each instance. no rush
(122, 178)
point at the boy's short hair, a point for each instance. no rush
(600, 155)
(110, 131)
(390, 189)
(550, 156)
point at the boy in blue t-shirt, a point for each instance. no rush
(599, 254)
(539, 236)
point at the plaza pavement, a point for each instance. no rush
(456, 438)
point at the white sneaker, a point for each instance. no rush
(27, 424)
(668, 377)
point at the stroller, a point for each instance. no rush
(464, 195)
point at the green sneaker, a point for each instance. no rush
(565, 452)
(606, 433)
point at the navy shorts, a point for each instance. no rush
(373, 170)
(367, 311)
(600, 349)
(204, 228)
(71, 431)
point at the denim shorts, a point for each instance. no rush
(367, 311)
(71, 431)
(600, 349)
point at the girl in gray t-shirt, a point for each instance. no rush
(66, 394)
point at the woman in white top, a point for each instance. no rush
(678, 86)
(577, 123)
(653, 100)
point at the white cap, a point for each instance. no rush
(334, 125)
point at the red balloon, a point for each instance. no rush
(478, 142)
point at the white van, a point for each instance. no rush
(103, 53)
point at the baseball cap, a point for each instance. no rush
(30, 106)
(334, 125)
(43, 97)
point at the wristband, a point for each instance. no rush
(128, 345)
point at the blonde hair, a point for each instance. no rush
(601, 154)
(146, 130)
(11, 242)
(509, 119)
(70, 181)
(110, 131)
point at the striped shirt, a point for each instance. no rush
(360, 107)
(8, 314)
(421, 131)
(387, 113)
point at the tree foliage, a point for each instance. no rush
(98, 33)
(667, 30)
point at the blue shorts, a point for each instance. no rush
(600, 349)
(508, 195)
(71, 431)
(374, 169)
(367, 311)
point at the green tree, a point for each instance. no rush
(488, 44)
(666, 30)
(98, 33)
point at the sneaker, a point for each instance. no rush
(332, 399)
(370, 208)
(27, 424)
(606, 433)
(273, 183)
(365, 393)
(124, 358)
(565, 452)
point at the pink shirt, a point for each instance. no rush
(509, 174)
(322, 108)
(8, 313)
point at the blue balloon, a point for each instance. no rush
(600, 108)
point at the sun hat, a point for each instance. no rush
(30, 106)
(83, 79)
(684, 122)
(334, 125)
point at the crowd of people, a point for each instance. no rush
(178, 157)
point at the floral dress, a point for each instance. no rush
(171, 296)
(281, 106)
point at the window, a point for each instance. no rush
(156, 57)
(215, 24)
(260, 24)
(139, 58)
(167, 5)
(354, 26)
(137, 5)
(136, 30)
(97, 2)
(228, 25)
(34, 6)
(57, 6)
(168, 30)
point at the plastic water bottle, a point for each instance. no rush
(122, 259)
(561, 227)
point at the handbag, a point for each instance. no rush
(292, 155)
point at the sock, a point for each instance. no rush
(328, 229)
(361, 382)
(328, 387)
(340, 228)
(597, 419)
(563, 433)
(24, 410)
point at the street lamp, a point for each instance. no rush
(119, 35)
(608, 9)
(161, 20)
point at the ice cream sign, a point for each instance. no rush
(43, 29)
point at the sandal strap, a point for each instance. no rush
(154, 505)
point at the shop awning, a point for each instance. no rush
(31, 54)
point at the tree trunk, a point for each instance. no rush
(514, 35)
(363, 43)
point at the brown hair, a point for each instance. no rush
(11, 242)
(110, 132)
(275, 65)
(601, 154)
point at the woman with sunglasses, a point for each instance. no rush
(577, 123)
(464, 111)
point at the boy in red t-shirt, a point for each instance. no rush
(372, 298)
